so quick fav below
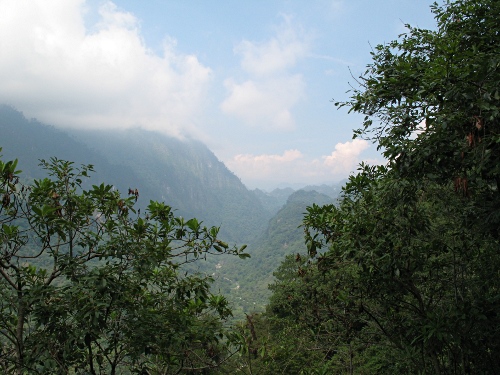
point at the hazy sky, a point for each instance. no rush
(252, 79)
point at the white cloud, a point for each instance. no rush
(294, 167)
(267, 97)
(263, 166)
(276, 54)
(345, 156)
(55, 69)
(266, 102)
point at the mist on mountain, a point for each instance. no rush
(186, 175)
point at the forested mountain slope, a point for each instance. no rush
(29, 141)
(245, 282)
(184, 174)
(273, 201)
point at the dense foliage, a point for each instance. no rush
(110, 296)
(402, 276)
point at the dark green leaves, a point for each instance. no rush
(86, 287)
(398, 273)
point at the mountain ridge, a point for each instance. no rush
(188, 177)
(184, 174)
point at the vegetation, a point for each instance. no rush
(402, 276)
(245, 283)
(112, 297)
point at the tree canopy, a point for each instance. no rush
(89, 285)
(402, 276)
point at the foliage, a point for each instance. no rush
(111, 297)
(402, 277)
(425, 283)
(245, 283)
(432, 101)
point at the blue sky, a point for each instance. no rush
(251, 79)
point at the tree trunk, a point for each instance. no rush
(20, 335)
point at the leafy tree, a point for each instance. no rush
(88, 285)
(313, 333)
(432, 101)
(425, 284)
(411, 253)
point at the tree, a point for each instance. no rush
(432, 101)
(424, 283)
(88, 285)
(414, 244)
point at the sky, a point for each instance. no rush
(253, 80)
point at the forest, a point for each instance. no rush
(399, 276)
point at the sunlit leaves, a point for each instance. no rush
(87, 286)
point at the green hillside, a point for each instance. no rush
(246, 282)
(274, 200)
(184, 174)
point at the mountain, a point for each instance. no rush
(184, 174)
(274, 200)
(245, 282)
(333, 191)
(29, 141)
(189, 177)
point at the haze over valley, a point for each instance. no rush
(260, 187)
(186, 175)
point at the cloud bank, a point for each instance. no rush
(103, 76)
(294, 167)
